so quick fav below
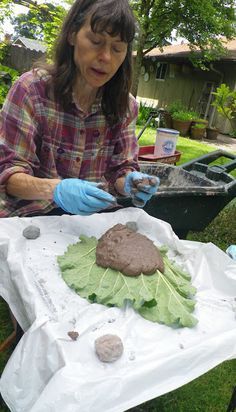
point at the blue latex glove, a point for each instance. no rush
(81, 197)
(231, 251)
(139, 191)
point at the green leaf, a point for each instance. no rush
(171, 308)
(164, 298)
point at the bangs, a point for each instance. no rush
(115, 21)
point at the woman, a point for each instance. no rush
(66, 127)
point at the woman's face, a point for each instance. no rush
(97, 56)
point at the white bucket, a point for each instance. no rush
(166, 140)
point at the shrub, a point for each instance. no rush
(183, 116)
(4, 87)
(143, 115)
(233, 133)
(225, 101)
(176, 106)
(199, 126)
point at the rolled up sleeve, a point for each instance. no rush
(125, 155)
(18, 129)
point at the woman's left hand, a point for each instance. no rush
(141, 187)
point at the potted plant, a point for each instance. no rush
(173, 107)
(200, 120)
(212, 133)
(182, 121)
(198, 131)
(176, 106)
(168, 111)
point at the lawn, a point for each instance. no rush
(212, 391)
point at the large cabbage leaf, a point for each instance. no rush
(164, 298)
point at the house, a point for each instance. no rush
(169, 76)
(30, 44)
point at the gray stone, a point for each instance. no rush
(31, 232)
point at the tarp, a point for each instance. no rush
(50, 372)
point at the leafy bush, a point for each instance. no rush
(225, 101)
(179, 111)
(233, 133)
(143, 115)
(176, 106)
(183, 116)
(4, 87)
(199, 126)
(4, 51)
(199, 120)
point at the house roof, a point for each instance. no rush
(31, 44)
(183, 50)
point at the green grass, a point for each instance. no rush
(211, 392)
(221, 231)
(6, 329)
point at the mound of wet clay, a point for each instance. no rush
(129, 252)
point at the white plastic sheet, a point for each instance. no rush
(50, 372)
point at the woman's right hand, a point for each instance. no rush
(81, 197)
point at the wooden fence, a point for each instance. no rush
(22, 59)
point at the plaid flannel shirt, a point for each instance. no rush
(37, 137)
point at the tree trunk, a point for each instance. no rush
(138, 60)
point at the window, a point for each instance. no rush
(161, 71)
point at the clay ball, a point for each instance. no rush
(31, 232)
(109, 348)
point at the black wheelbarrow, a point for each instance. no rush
(191, 195)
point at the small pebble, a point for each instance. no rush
(31, 232)
(73, 335)
(109, 348)
(132, 226)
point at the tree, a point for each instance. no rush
(199, 22)
(40, 21)
(34, 23)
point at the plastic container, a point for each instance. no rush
(191, 195)
(166, 140)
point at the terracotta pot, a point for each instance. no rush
(211, 134)
(182, 126)
(197, 133)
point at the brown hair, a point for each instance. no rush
(118, 16)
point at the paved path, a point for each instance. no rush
(223, 142)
